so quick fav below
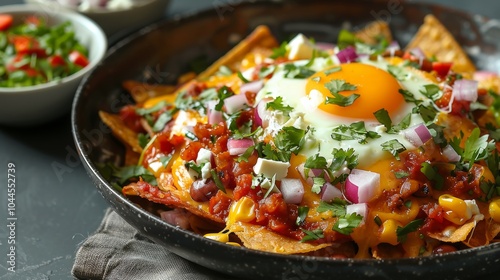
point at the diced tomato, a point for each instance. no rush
(442, 68)
(56, 61)
(13, 65)
(24, 44)
(33, 20)
(131, 119)
(78, 58)
(5, 21)
(31, 72)
(219, 205)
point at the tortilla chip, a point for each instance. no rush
(493, 230)
(141, 92)
(490, 83)
(121, 131)
(436, 41)
(169, 198)
(131, 157)
(259, 238)
(453, 235)
(261, 37)
(374, 31)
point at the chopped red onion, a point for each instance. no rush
(260, 112)
(358, 208)
(214, 116)
(235, 103)
(361, 185)
(329, 192)
(418, 53)
(237, 147)
(393, 46)
(292, 190)
(254, 87)
(177, 217)
(312, 173)
(465, 90)
(347, 55)
(451, 154)
(417, 134)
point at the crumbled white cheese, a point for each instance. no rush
(269, 168)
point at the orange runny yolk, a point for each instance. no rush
(377, 89)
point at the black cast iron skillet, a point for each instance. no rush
(159, 53)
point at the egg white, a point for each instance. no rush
(307, 114)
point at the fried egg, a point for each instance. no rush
(377, 89)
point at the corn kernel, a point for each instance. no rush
(494, 210)
(221, 237)
(243, 210)
(388, 232)
(233, 244)
(456, 209)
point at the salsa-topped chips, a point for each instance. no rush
(242, 147)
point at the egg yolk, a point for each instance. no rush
(376, 88)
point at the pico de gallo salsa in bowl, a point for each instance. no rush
(34, 53)
(44, 55)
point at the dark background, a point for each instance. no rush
(57, 210)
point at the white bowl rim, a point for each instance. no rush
(98, 34)
(101, 11)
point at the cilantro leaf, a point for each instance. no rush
(394, 147)
(355, 131)
(402, 125)
(242, 78)
(347, 224)
(332, 70)
(409, 97)
(428, 113)
(335, 86)
(191, 165)
(383, 117)
(337, 207)
(248, 152)
(316, 162)
(223, 93)
(318, 183)
(163, 119)
(302, 215)
(143, 139)
(476, 147)
(155, 108)
(397, 72)
(401, 174)
(432, 91)
(346, 38)
(127, 173)
(431, 173)
(297, 72)
(288, 140)
(217, 180)
(402, 232)
(277, 104)
(312, 235)
(279, 51)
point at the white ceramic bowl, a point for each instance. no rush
(38, 104)
(117, 23)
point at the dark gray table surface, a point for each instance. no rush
(57, 205)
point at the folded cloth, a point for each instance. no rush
(118, 251)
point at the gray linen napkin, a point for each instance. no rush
(118, 251)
